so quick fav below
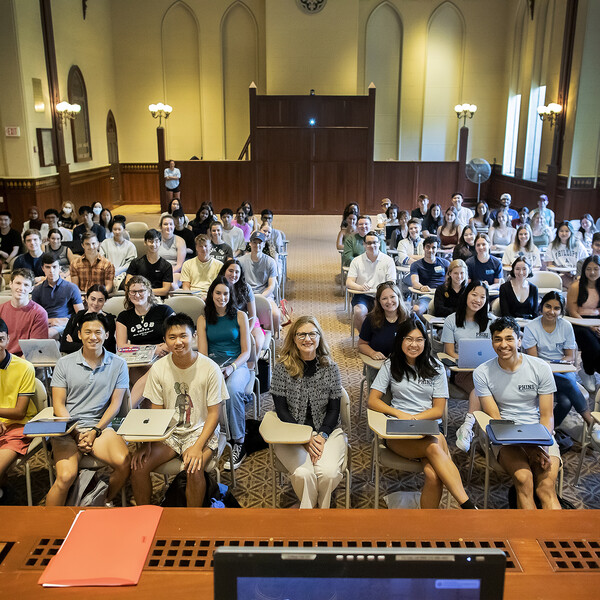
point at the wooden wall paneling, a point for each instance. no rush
(20, 194)
(336, 184)
(195, 183)
(91, 185)
(436, 179)
(284, 187)
(339, 144)
(231, 183)
(139, 183)
(286, 144)
(393, 180)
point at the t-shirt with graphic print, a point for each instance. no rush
(145, 329)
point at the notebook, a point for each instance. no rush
(40, 351)
(356, 574)
(147, 422)
(472, 353)
(405, 427)
(137, 355)
(505, 432)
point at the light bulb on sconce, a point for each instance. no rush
(549, 113)
(160, 111)
(465, 111)
(66, 112)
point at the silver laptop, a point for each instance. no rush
(137, 355)
(147, 422)
(40, 351)
(472, 353)
(355, 574)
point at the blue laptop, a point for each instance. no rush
(472, 353)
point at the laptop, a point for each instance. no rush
(356, 574)
(137, 355)
(147, 422)
(40, 351)
(389, 231)
(506, 432)
(405, 427)
(472, 353)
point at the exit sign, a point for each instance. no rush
(12, 131)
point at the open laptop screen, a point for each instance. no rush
(328, 573)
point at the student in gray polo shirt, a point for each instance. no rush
(521, 388)
(89, 386)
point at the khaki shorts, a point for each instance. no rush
(181, 442)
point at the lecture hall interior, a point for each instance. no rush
(303, 107)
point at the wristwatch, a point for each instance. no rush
(324, 435)
(98, 431)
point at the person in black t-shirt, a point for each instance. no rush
(88, 225)
(154, 268)
(220, 250)
(183, 232)
(10, 239)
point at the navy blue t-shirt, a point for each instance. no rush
(381, 339)
(431, 274)
(488, 271)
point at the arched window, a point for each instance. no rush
(80, 126)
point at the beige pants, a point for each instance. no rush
(313, 484)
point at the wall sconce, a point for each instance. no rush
(549, 113)
(465, 111)
(160, 111)
(66, 112)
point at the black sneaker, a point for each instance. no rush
(238, 456)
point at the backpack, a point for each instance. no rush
(89, 489)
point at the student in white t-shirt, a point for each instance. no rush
(521, 388)
(192, 384)
(470, 321)
(419, 391)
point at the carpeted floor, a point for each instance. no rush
(312, 288)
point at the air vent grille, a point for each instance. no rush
(572, 555)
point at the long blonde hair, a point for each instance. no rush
(290, 355)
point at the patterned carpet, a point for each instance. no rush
(313, 288)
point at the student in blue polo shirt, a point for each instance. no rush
(88, 386)
(483, 266)
(59, 297)
(427, 273)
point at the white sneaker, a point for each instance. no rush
(464, 434)
(595, 437)
(588, 381)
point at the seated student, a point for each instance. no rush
(595, 252)
(427, 274)
(96, 297)
(366, 272)
(410, 249)
(32, 259)
(193, 385)
(583, 302)
(223, 335)
(260, 271)
(17, 382)
(243, 299)
(198, 273)
(219, 249)
(465, 248)
(86, 227)
(92, 267)
(382, 219)
(481, 222)
(421, 211)
(511, 213)
(141, 321)
(52, 219)
(270, 248)
(470, 321)
(278, 237)
(151, 266)
(347, 228)
(172, 248)
(464, 214)
(233, 236)
(518, 297)
(502, 234)
(542, 235)
(522, 246)
(449, 231)
(10, 239)
(419, 392)
(58, 297)
(185, 233)
(241, 221)
(483, 266)
(378, 330)
(433, 220)
(89, 386)
(174, 205)
(523, 218)
(401, 233)
(105, 221)
(306, 389)
(520, 387)
(445, 300)
(565, 252)
(544, 211)
(551, 338)
(119, 251)
(586, 231)
(204, 217)
(55, 247)
(25, 318)
(67, 218)
(354, 245)
(34, 221)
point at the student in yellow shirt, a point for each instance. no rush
(17, 386)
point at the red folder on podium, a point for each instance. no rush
(104, 547)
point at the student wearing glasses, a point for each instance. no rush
(307, 389)
(419, 391)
